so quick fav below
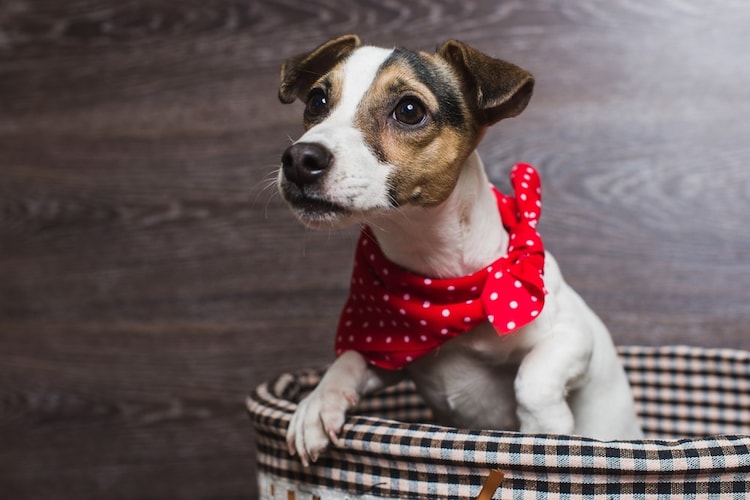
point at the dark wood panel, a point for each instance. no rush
(150, 276)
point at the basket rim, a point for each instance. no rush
(370, 440)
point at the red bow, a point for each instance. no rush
(393, 316)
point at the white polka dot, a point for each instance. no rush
(426, 304)
(406, 339)
(364, 243)
(381, 324)
(511, 325)
(523, 195)
(446, 313)
(530, 170)
(348, 323)
(444, 331)
(491, 318)
(407, 296)
(386, 298)
(530, 243)
(402, 311)
(423, 322)
(493, 296)
(388, 340)
(427, 281)
(534, 299)
(351, 338)
(372, 256)
(467, 319)
(518, 284)
(409, 359)
(525, 185)
(368, 339)
(498, 275)
(469, 302)
(534, 314)
(385, 271)
(451, 288)
(513, 304)
(365, 324)
(473, 289)
(423, 338)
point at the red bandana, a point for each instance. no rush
(394, 316)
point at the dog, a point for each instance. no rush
(451, 286)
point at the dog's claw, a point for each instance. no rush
(333, 436)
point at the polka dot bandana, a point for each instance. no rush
(393, 316)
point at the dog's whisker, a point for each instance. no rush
(267, 183)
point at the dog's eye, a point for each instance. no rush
(317, 104)
(410, 111)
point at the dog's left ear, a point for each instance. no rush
(500, 89)
(300, 72)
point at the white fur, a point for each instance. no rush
(356, 179)
(560, 374)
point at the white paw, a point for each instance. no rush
(317, 423)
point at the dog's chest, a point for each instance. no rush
(468, 382)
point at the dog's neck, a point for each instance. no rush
(456, 238)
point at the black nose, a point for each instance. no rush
(305, 162)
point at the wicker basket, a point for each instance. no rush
(694, 405)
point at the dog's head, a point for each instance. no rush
(387, 128)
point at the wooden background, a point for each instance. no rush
(150, 277)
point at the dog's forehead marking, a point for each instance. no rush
(360, 71)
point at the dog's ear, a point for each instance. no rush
(300, 72)
(500, 89)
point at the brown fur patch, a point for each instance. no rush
(428, 157)
(332, 84)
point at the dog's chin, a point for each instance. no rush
(317, 218)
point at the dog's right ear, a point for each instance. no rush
(300, 72)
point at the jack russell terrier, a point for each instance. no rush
(451, 286)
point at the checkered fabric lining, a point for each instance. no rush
(694, 405)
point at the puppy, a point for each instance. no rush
(451, 285)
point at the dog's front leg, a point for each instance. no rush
(320, 416)
(554, 367)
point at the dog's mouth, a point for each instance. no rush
(312, 208)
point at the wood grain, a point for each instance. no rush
(150, 277)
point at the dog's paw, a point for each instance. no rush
(317, 423)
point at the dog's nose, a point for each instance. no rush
(305, 162)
